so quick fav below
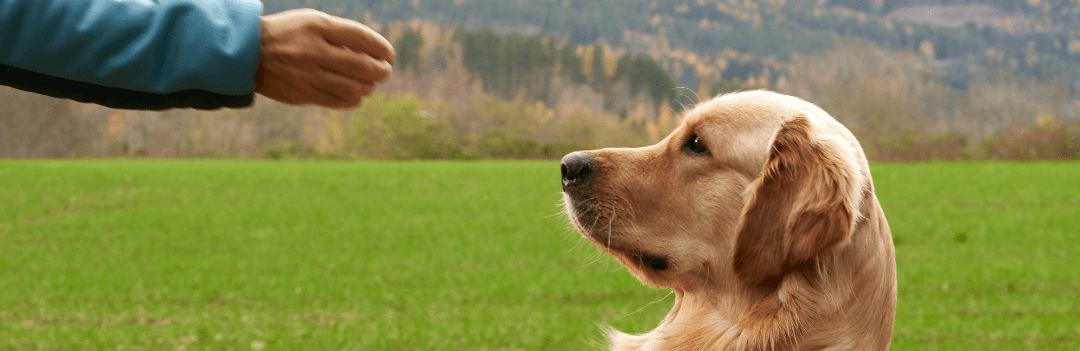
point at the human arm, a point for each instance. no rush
(134, 54)
(206, 54)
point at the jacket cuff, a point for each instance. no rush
(34, 82)
(248, 16)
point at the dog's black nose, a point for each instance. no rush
(575, 168)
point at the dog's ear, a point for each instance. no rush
(804, 203)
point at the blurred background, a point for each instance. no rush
(479, 79)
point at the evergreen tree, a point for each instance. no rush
(598, 77)
(571, 63)
(408, 51)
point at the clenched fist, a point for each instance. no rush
(311, 58)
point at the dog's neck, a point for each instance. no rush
(737, 321)
(805, 311)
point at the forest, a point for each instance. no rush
(1036, 38)
(479, 79)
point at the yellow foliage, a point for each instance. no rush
(665, 122)
(1074, 46)
(393, 31)
(782, 83)
(587, 62)
(654, 132)
(330, 138)
(703, 90)
(431, 34)
(656, 20)
(926, 48)
(638, 113)
(611, 61)
(701, 70)
(1045, 119)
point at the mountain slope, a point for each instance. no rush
(1037, 38)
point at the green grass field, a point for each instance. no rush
(242, 255)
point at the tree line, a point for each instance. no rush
(475, 94)
(505, 64)
(1046, 47)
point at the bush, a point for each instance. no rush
(1047, 139)
(399, 128)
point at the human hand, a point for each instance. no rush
(307, 57)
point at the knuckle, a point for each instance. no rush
(312, 12)
(383, 74)
(347, 101)
(326, 20)
(348, 91)
(354, 91)
(365, 90)
(354, 101)
(316, 20)
(313, 25)
(379, 71)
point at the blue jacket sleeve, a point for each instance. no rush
(148, 54)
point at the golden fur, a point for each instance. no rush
(772, 239)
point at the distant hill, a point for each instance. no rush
(537, 79)
(1036, 38)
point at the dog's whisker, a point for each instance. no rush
(596, 256)
(696, 96)
(685, 107)
(595, 220)
(572, 248)
(570, 232)
(662, 298)
(679, 94)
(560, 213)
(630, 207)
(609, 228)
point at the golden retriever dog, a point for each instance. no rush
(759, 213)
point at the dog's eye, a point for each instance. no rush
(695, 145)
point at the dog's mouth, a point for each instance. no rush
(655, 262)
(601, 232)
(633, 256)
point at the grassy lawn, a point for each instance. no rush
(987, 254)
(242, 255)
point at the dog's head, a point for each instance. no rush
(750, 187)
